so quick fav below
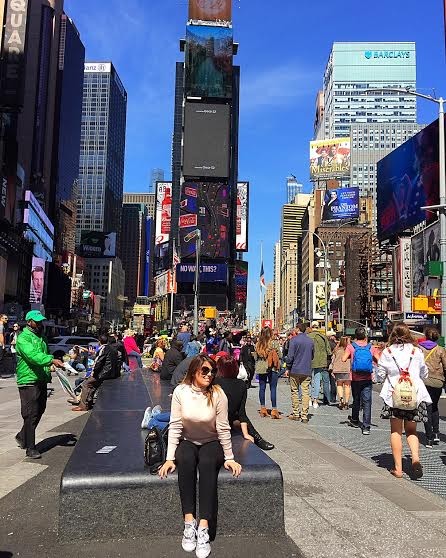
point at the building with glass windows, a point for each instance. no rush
(101, 165)
(353, 68)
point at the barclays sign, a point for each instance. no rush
(389, 54)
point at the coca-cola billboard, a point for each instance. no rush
(242, 211)
(163, 212)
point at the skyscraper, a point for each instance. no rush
(147, 199)
(293, 187)
(157, 175)
(101, 166)
(354, 67)
(67, 133)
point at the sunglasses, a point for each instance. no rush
(206, 370)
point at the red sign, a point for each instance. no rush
(188, 220)
(191, 192)
(267, 323)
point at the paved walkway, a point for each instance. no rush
(339, 503)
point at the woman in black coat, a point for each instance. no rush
(172, 359)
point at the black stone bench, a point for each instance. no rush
(113, 495)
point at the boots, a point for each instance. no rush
(258, 440)
(263, 412)
(275, 414)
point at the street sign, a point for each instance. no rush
(415, 316)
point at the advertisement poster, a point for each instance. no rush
(148, 257)
(208, 69)
(210, 10)
(241, 282)
(318, 300)
(342, 203)
(204, 205)
(425, 247)
(330, 158)
(162, 261)
(37, 286)
(163, 212)
(403, 275)
(407, 180)
(97, 244)
(242, 215)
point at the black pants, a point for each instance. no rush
(433, 416)
(208, 459)
(33, 405)
(251, 371)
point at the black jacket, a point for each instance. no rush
(247, 358)
(172, 359)
(106, 364)
(122, 353)
(236, 393)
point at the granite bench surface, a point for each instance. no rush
(114, 495)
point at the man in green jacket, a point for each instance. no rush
(322, 351)
(33, 374)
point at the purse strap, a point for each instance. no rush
(430, 353)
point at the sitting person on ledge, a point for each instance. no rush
(106, 367)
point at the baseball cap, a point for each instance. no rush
(314, 324)
(35, 315)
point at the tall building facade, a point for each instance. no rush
(106, 278)
(67, 134)
(147, 199)
(133, 248)
(157, 175)
(101, 166)
(353, 68)
(277, 266)
(293, 187)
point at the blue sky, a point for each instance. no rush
(283, 51)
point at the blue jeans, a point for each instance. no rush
(317, 374)
(362, 393)
(136, 355)
(160, 421)
(272, 378)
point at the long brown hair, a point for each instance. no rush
(400, 335)
(343, 342)
(263, 342)
(194, 369)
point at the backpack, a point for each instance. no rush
(404, 396)
(273, 360)
(362, 359)
(155, 448)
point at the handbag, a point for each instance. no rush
(155, 448)
(242, 373)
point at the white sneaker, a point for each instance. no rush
(311, 404)
(315, 405)
(146, 418)
(203, 546)
(189, 541)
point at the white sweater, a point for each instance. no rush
(191, 418)
(388, 371)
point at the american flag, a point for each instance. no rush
(262, 277)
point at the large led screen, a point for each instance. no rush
(163, 212)
(407, 180)
(242, 212)
(205, 205)
(330, 158)
(37, 281)
(208, 62)
(210, 10)
(342, 203)
(98, 244)
(206, 151)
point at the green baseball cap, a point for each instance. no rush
(35, 315)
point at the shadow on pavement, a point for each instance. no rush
(6, 554)
(64, 440)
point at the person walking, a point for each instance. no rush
(248, 360)
(361, 356)
(158, 355)
(267, 356)
(299, 361)
(3, 322)
(33, 376)
(199, 441)
(342, 373)
(322, 353)
(403, 359)
(13, 344)
(226, 344)
(435, 359)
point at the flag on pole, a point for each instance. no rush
(262, 277)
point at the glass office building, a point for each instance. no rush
(353, 68)
(101, 166)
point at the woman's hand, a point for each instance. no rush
(234, 467)
(168, 467)
(248, 437)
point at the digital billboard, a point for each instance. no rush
(330, 158)
(206, 151)
(241, 282)
(163, 212)
(148, 256)
(205, 205)
(342, 203)
(37, 285)
(425, 248)
(97, 244)
(402, 276)
(318, 300)
(208, 68)
(210, 10)
(162, 261)
(407, 180)
(208, 273)
(242, 216)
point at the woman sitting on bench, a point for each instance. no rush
(199, 438)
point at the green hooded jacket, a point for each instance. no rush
(33, 362)
(322, 350)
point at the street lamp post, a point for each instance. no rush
(327, 294)
(442, 190)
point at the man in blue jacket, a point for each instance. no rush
(299, 358)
